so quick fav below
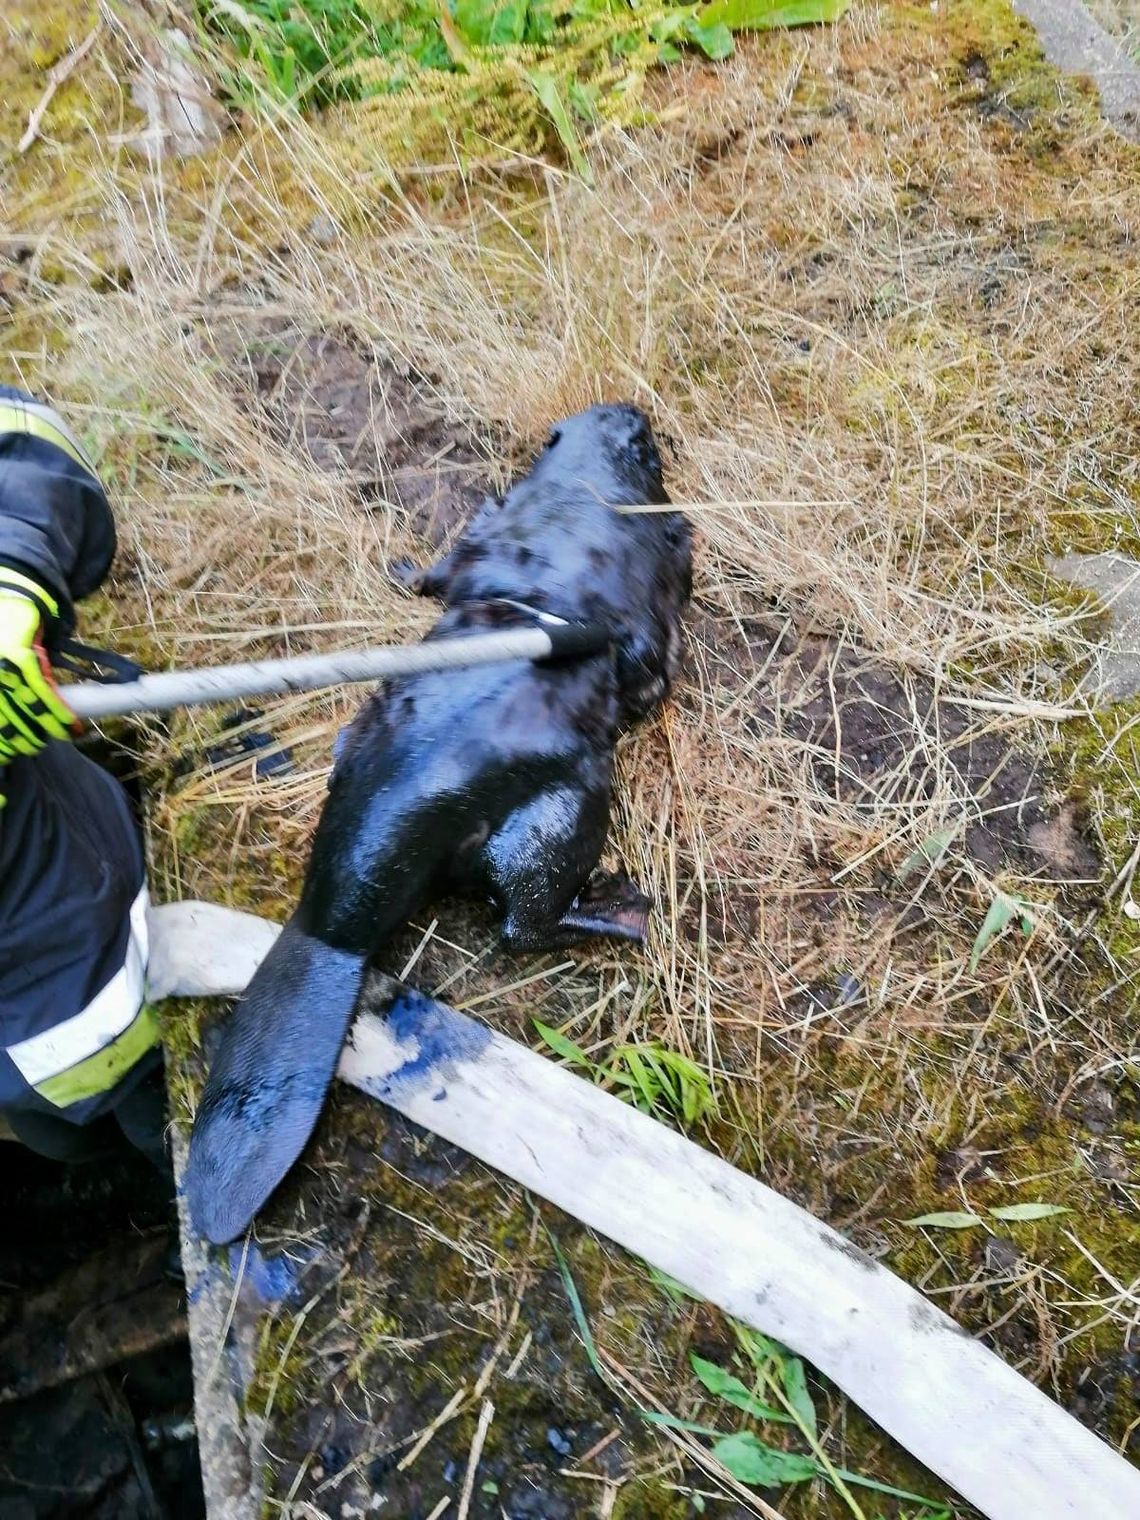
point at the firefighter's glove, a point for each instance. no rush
(31, 709)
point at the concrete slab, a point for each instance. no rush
(1115, 579)
(1076, 43)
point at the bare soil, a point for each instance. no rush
(377, 425)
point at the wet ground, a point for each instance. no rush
(397, 1291)
(87, 1281)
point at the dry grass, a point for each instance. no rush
(883, 309)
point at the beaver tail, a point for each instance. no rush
(267, 1085)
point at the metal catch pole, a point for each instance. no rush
(262, 678)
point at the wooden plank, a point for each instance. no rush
(232, 1478)
(953, 1404)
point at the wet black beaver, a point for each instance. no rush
(490, 782)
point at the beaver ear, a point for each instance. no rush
(552, 437)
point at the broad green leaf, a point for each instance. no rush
(749, 1460)
(490, 23)
(545, 86)
(563, 1046)
(669, 24)
(948, 1221)
(729, 1388)
(796, 1391)
(930, 850)
(1023, 1211)
(761, 15)
(509, 25)
(1003, 910)
(715, 40)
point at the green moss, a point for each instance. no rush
(180, 1023)
(49, 186)
(34, 41)
(1100, 755)
(1089, 521)
(1026, 1139)
(997, 62)
(283, 1370)
(649, 1499)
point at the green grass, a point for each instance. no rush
(653, 1078)
(779, 1395)
(584, 60)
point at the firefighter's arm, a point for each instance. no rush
(57, 538)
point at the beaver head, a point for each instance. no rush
(556, 543)
(610, 450)
(630, 570)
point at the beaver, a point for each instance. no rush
(490, 782)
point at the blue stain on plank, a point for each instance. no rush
(272, 1280)
(267, 1282)
(443, 1038)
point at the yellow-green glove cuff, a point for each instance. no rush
(28, 586)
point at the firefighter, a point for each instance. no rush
(80, 1063)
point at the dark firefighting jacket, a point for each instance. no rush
(75, 1031)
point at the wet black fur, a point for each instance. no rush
(491, 782)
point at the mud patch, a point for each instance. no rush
(878, 739)
(434, 1279)
(1106, 1394)
(360, 415)
(85, 1259)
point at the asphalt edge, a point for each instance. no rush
(1077, 44)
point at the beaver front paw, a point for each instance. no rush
(406, 574)
(612, 906)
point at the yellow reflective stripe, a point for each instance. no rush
(42, 422)
(109, 1014)
(17, 581)
(99, 1073)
